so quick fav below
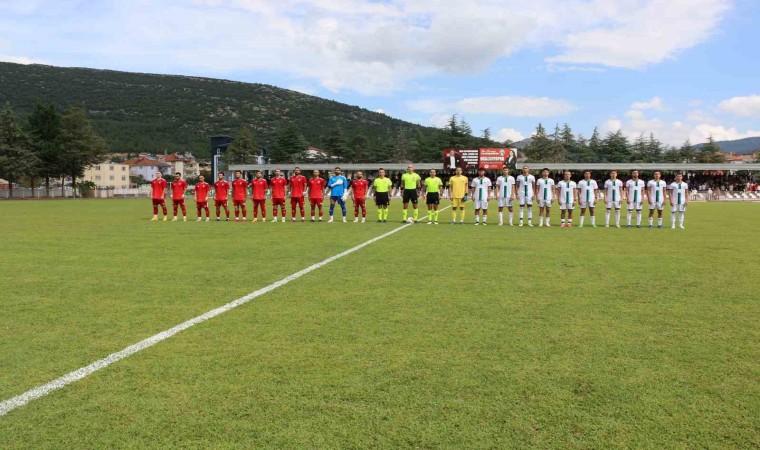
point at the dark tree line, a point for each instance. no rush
(47, 145)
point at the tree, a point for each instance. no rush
(686, 153)
(654, 150)
(487, 134)
(336, 145)
(16, 156)
(639, 149)
(43, 127)
(290, 146)
(593, 152)
(710, 152)
(570, 144)
(615, 148)
(539, 149)
(79, 144)
(243, 150)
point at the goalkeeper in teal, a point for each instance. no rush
(338, 187)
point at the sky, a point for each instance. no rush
(681, 69)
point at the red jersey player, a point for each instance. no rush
(279, 185)
(259, 190)
(359, 188)
(316, 193)
(297, 188)
(158, 194)
(239, 193)
(201, 197)
(221, 191)
(179, 186)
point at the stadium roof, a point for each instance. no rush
(670, 167)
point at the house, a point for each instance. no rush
(733, 158)
(108, 174)
(185, 164)
(315, 154)
(147, 167)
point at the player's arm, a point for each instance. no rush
(686, 197)
(670, 193)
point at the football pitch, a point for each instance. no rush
(431, 337)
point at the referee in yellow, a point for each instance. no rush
(382, 185)
(411, 183)
(457, 192)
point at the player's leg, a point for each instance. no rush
(198, 211)
(511, 214)
(522, 210)
(243, 210)
(332, 208)
(629, 215)
(638, 215)
(226, 209)
(293, 203)
(529, 206)
(356, 210)
(435, 212)
(405, 212)
(569, 222)
(582, 216)
(562, 216)
(175, 206)
(184, 210)
(301, 202)
(477, 212)
(547, 215)
(681, 216)
(607, 214)
(155, 210)
(501, 213)
(673, 214)
(660, 211)
(592, 215)
(617, 215)
(207, 210)
(218, 208)
(651, 215)
(363, 207)
(484, 212)
(540, 213)
(416, 209)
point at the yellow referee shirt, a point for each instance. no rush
(458, 186)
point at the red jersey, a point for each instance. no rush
(158, 186)
(278, 187)
(259, 188)
(178, 189)
(201, 192)
(221, 190)
(316, 188)
(360, 188)
(297, 186)
(239, 189)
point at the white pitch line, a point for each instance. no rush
(40, 391)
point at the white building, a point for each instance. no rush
(147, 167)
(108, 174)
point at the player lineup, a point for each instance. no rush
(523, 192)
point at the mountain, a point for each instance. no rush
(738, 146)
(145, 112)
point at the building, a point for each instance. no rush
(108, 175)
(733, 158)
(185, 164)
(147, 167)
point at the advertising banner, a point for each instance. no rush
(483, 158)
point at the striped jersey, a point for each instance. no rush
(505, 186)
(481, 186)
(567, 191)
(678, 192)
(525, 185)
(657, 190)
(588, 190)
(545, 188)
(635, 190)
(612, 190)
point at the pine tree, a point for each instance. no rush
(595, 149)
(710, 152)
(616, 148)
(686, 153)
(336, 145)
(289, 146)
(43, 127)
(487, 134)
(639, 149)
(243, 150)
(570, 145)
(654, 150)
(80, 145)
(360, 148)
(540, 147)
(16, 156)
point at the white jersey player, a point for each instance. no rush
(612, 197)
(481, 187)
(634, 193)
(505, 192)
(587, 189)
(544, 193)
(656, 198)
(525, 185)
(568, 195)
(679, 199)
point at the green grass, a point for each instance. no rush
(447, 336)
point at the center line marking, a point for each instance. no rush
(40, 391)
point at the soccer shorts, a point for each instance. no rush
(159, 202)
(410, 195)
(567, 206)
(259, 202)
(200, 205)
(296, 201)
(220, 203)
(336, 198)
(361, 201)
(545, 203)
(457, 203)
(237, 203)
(678, 208)
(177, 202)
(585, 205)
(615, 205)
(316, 201)
(481, 204)
(505, 202)
(522, 200)
(278, 202)
(432, 198)
(657, 205)
(635, 205)
(381, 199)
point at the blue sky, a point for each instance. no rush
(677, 68)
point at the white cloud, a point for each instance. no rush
(508, 133)
(701, 132)
(742, 106)
(654, 103)
(303, 89)
(365, 46)
(20, 59)
(511, 106)
(381, 111)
